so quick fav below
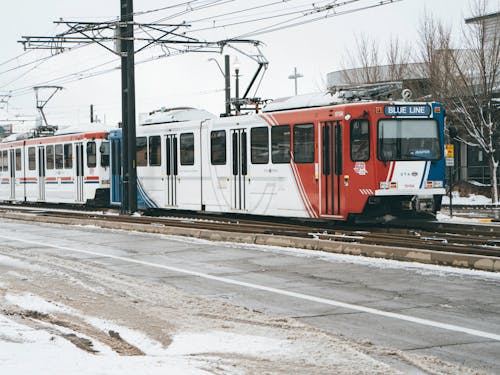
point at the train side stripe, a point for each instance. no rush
(424, 174)
(303, 194)
(392, 166)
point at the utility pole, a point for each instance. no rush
(295, 76)
(91, 113)
(129, 202)
(227, 79)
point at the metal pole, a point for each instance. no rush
(131, 110)
(295, 74)
(91, 113)
(237, 90)
(227, 78)
(124, 62)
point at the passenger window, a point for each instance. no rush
(360, 140)
(104, 149)
(19, 162)
(141, 151)
(259, 142)
(303, 143)
(187, 149)
(218, 147)
(31, 158)
(91, 155)
(50, 157)
(5, 161)
(59, 155)
(280, 144)
(155, 150)
(68, 156)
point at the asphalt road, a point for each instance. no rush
(429, 310)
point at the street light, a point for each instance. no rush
(237, 84)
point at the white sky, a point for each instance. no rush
(190, 80)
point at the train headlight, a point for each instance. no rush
(437, 184)
(394, 185)
(384, 185)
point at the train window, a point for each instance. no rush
(280, 144)
(31, 158)
(59, 156)
(68, 156)
(303, 143)
(187, 149)
(408, 139)
(360, 140)
(1, 161)
(141, 155)
(5, 160)
(259, 145)
(19, 163)
(155, 150)
(218, 147)
(104, 150)
(91, 155)
(50, 157)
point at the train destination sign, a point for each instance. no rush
(407, 110)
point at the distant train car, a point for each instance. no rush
(66, 167)
(333, 162)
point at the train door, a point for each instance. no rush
(41, 173)
(12, 167)
(172, 169)
(239, 168)
(331, 168)
(79, 172)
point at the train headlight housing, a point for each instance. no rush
(384, 184)
(434, 184)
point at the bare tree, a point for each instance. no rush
(365, 64)
(467, 80)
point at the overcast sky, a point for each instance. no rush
(190, 79)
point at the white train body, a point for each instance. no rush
(65, 168)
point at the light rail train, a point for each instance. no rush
(333, 161)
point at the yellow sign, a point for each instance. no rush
(449, 151)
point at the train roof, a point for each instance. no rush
(86, 128)
(179, 114)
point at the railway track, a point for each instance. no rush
(437, 236)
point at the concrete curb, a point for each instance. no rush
(478, 262)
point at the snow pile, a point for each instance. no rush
(471, 200)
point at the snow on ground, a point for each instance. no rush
(25, 350)
(470, 200)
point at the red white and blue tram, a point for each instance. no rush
(333, 162)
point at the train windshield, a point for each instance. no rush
(408, 139)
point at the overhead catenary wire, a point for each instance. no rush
(305, 11)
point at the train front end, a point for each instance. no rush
(409, 163)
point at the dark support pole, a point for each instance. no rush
(129, 201)
(91, 113)
(132, 165)
(227, 76)
(124, 60)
